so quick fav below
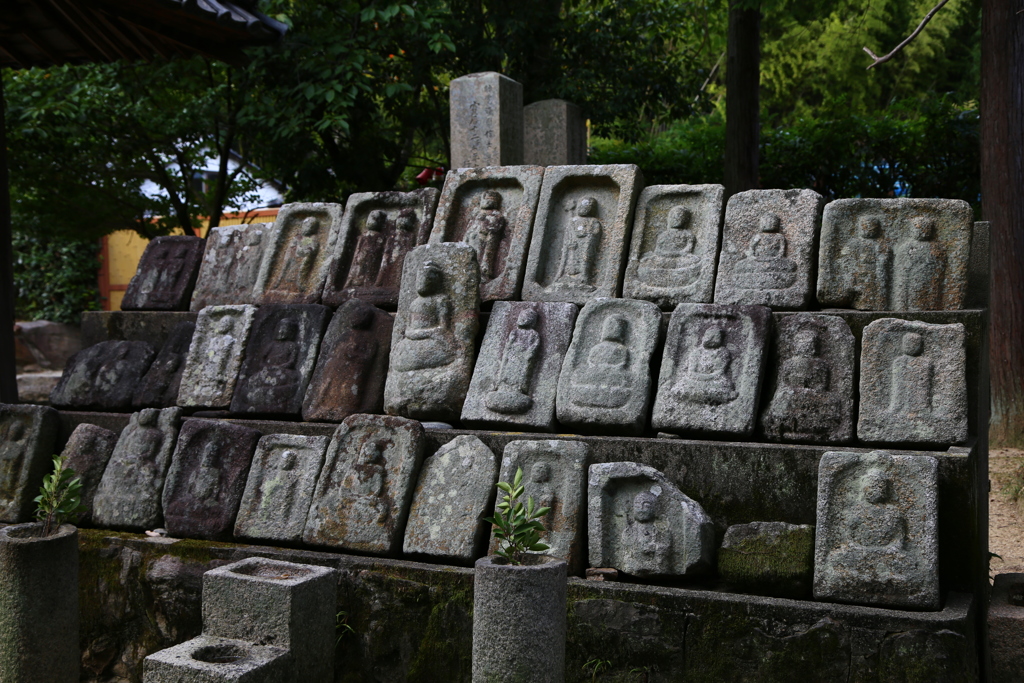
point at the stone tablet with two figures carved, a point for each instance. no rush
(769, 246)
(674, 250)
(28, 437)
(166, 275)
(215, 356)
(895, 254)
(378, 230)
(230, 266)
(298, 253)
(581, 233)
(913, 383)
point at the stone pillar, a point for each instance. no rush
(486, 121)
(555, 134)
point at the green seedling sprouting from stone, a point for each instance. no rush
(516, 525)
(341, 627)
(60, 497)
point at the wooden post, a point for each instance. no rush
(8, 377)
(742, 99)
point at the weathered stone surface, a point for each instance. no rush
(153, 327)
(769, 244)
(877, 537)
(159, 386)
(812, 382)
(280, 355)
(297, 254)
(166, 275)
(206, 478)
(492, 209)
(641, 524)
(352, 365)
(768, 558)
(88, 450)
(555, 476)
(28, 436)
(365, 488)
(129, 492)
(979, 267)
(433, 341)
(895, 254)
(454, 493)
(103, 376)
(712, 368)
(230, 265)
(1006, 628)
(554, 134)
(606, 376)
(377, 232)
(50, 344)
(581, 233)
(215, 356)
(515, 380)
(280, 487)
(674, 249)
(486, 111)
(913, 386)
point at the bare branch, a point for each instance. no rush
(920, 27)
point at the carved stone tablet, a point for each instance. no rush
(913, 385)
(555, 476)
(231, 264)
(516, 376)
(298, 254)
(432, 344)
(769, 243)
(280, 487)
(159, 386)
(606, 376)
(103, 376)
(554, 134)
(88, 451)
(365, 488)
(352, 365)
(812, 383)
(215, 356)
(642, 525)
(454, 493)
(486, 114)
(712, 368)
(895, 254)
(207, 478)
(491, 209)
(28, 435)
(675, 244)
(581, 234)
(279, 359)
(378, 230)
(129, 492)
(877, 531)
(166, 275)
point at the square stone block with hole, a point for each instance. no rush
(166, 274)
(28, 439)
(159, 386)
(88, 451)
(103, 376)
(298, 253)
(215, 356)
(230, 265)
(208, 659)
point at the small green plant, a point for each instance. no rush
(516, 525)
(341, 626)
(60, 497)
(596, 666)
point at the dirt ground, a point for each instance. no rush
(1005, 518)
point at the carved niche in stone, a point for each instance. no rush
(103, 376)
(297, 255)
(166, 275)
(28, 435)
(88, 451)
(159, 386)
(215, 356)
(231, 264)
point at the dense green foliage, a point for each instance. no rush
(55, 277)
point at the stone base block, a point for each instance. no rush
(208, 659)
(1006, 628)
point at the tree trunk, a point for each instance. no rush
(8, 377)
(1002, 180)
(742, 99)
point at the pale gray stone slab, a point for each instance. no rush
(895, 254)
(129, 494)
(28, 436)
(486, 112)
(516, 376)
(434, 337)
(581, 233)
(492, 209)
(606, 376)
(278, 492)
(297, 254)
(712, 368)
(555, 476)
(455, 491)
(555, 134)
(215, 356)
(641, 524)
(913, 383)
(88, 451)
(365, 488)
(877, 540)
(769, 245)
(674, 252)
(811, 385)
(230, 266)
